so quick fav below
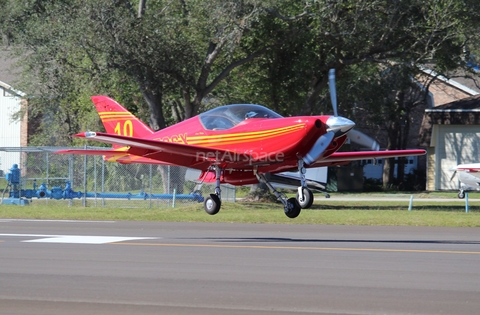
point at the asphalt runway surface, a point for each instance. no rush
(88, 267)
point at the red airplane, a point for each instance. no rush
(237, 144)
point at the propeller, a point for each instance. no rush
(319, 147)
(353, 135)
(454, 169)
(363, 140)
(337, 126)
(333, 91)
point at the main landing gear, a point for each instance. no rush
(292, 206)
(213, 202)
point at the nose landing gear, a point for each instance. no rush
(304, 197)
(304, 194)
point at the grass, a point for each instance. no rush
(331, 211)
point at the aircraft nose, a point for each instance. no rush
(339, 125)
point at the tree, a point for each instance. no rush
(167, 59)
(182, 50)
(385, 100)
(393, 37)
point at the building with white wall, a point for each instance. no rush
(450, 129)
(13, 132)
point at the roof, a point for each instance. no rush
(11, 90)
(470, 81)
(461, 112)
(469, 104)
(460, 79)
(8, 74)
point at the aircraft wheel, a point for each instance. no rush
(212, 204)
(292, 209)
(461, 194)
(307, 199)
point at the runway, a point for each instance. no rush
(95, 267)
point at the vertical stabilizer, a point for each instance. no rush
(117, 120)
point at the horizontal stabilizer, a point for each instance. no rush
(134, 143)
(109, 152)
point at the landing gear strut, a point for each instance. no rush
(304, 194)
(213, 202)
(290, 206)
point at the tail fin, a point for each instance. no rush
(117, 120)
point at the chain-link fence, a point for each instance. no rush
(90, 181)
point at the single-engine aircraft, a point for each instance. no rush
(469, 177)
(238, 144)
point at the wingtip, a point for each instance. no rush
(86, 134)
(79, 135)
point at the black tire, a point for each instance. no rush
(212, 204)
(461, 194)
(292, 210)
(308, 198)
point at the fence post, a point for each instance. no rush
(173, 198)
(466, 202)
(70, 173)
(103, 182)
(151, 184)
(94, 176)
(47, 168)
(85, 178)
(168, 179)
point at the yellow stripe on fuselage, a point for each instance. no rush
(242, 137)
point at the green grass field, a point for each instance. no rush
(332, 211)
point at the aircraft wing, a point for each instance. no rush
(340, 158)
(164, 152)
(469, 168)
(112, 155)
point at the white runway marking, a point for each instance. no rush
(61, 221)
(77, 239)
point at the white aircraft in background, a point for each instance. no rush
(469, 177)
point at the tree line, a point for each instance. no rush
(168, 60)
